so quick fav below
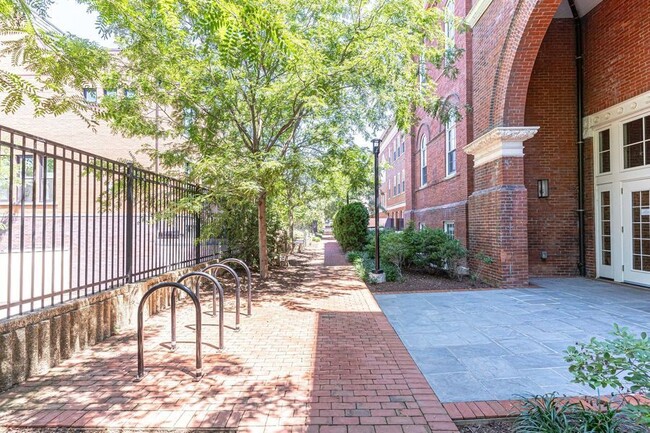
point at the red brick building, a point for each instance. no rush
(549, 172)
(392, 192)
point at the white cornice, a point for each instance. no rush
(501, 142)
(395, 206)
(614, 113)
(477, 12)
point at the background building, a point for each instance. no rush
(392, 192)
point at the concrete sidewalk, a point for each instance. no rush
(317, 355)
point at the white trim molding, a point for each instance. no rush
(395, 206)
(501, 142)
(614, 113)
(477, 12)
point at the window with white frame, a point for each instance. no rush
(399, 183)
(4, 177)
(604, 158)
(46, 176)
(423, 160)
(25, 178)
(394, 185)
(90, 94)
(389, 188)
(450, 139)
(636, 138)
(403, 182)
(422, 70)
(449, 228)
(450, 31)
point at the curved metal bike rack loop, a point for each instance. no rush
(248, 278)
(197, 307)
(232, 272)
(216, 288)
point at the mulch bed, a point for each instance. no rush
(488, 427)
(427, 282)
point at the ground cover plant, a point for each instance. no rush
(551, 413)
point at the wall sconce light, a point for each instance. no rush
(542, 188)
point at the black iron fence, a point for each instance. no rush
(73, 224)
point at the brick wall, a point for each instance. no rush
(552, 154)
(443, 198)
(497, 221)
(505, 44)
(617, 52)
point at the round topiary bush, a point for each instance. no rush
(350, 226)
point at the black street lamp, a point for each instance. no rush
(378, 275)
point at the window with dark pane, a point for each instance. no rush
(604, 152)
(606, 229)
(633, 144)
(641, 230)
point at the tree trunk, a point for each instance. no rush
(290, 223)
(261, 232)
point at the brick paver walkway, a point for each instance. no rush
(318, 356)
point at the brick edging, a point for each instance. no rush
(499, 409)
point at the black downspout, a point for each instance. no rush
(580, 138)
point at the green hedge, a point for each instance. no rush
(350, 226)
(418, 249)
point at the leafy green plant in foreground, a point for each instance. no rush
(621, 362)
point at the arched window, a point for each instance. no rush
(450, 139)
(423, 160)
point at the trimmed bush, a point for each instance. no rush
(424, 249)
(351, 226)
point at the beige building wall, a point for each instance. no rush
(70, 130)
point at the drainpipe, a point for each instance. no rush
(580, 138)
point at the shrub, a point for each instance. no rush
(601, 363)
(351, 226)
(434, 247)
(315, 239)
(364, 265)
(422, 249)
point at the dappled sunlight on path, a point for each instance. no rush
(316, 355)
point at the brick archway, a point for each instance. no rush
(530, 21)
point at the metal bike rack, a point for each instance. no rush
(248, 278)
(214, 268)
(216, 288)
(197, 307)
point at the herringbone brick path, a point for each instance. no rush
(317, 355)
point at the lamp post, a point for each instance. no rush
(378, 275)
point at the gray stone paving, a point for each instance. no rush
(501, 344)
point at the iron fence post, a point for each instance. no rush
(128, 254)
(197, 237)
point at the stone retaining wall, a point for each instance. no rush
(33, 343)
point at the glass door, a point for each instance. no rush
(636, 232)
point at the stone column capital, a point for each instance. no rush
(501, 142)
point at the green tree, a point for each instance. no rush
(240, 83)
